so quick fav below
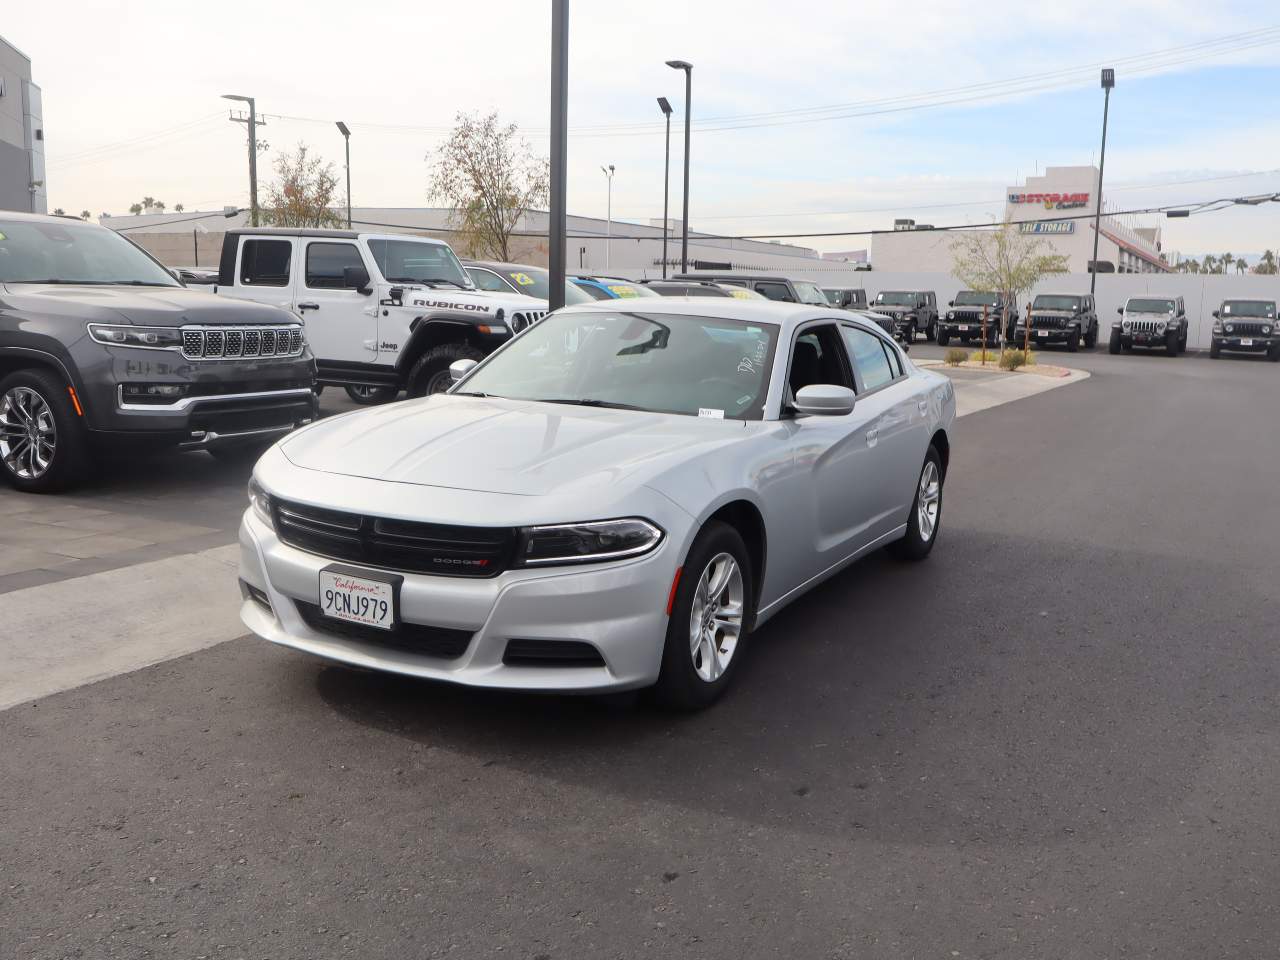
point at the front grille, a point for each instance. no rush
(1049, 323)
(443, 642)
(233, 343)
(253, 413)
(551, 653)
(1146, 326)
(409, 546)
(1247, 329)
(523, 319)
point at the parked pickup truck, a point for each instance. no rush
(100, 346)
(383, 312)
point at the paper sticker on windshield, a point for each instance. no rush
(523, 279)
(1227, 308)
(711, 413)
(619, 290)
(741, 294)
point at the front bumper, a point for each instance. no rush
(617, 608)
(1238, 344)
(968, 330)
(1045, 334)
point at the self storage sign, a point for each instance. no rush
(1048, 227)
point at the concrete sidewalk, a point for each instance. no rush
(978, 390)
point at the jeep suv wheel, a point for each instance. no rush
(1113, 347)
(43, 446)
(367, 395)
(431, 373)
(1215, 349)
(1091, 338)
(1171, 343)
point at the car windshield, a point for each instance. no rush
(625, 291)
(412, 261)
(1141, 305)
(896, 298)
(695, 366)
(1049, 301)
(37, 251)
(972, 298)
(809, 292)
(1249, 308)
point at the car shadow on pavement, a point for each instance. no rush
(899, 701)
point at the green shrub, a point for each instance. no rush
(1012, 359)
(955, 356)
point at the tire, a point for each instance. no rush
(1182, 341)
(690, 678)
(1215, 350)
(915, 545)
(317, 388)
(370, 396)
(1091, 338)
(431, 373)
(911, 333)
(1171, 344)
(1073, 341)
(944, 338)
(931, 332)
(40, 397)
(1273, 353)
(1113, 346)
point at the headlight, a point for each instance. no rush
(157, 338)
(1231, 328)
(1266, 331)
(950, 315)
(588, 542)
(1160, 326)
(260, 500)
(1127, 324)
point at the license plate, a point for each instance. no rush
(963, 328)
(359, 597)
(1246, 342)
(1042, 333)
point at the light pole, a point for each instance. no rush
(665, 106)
(688, 99)
(559, 149)
(608, 224)
(253, 153)
(1108, 81)
(346, 136)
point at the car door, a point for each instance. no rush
(832, 454)
(342, 324)
(896, 426)
(264, 270)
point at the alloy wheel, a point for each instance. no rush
(928, 501)
(715, 617)
(28, 434)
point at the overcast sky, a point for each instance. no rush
(131, 103)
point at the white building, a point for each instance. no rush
(21, 134)
(1059, 207)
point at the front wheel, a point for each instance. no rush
(1091, 338)
(431, 373)
(926, 512)
(931, 332)
(1073, 341)
(1215, 349)
(1113, 347)
(367, 395)
(1273, 353)
(1171, 344)
(43, 444)
(709, 621)
(943, 338)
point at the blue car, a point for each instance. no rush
(613, 288)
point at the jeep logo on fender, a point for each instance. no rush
(446, 305)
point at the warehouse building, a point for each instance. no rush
(1058, 207)
(22, 184)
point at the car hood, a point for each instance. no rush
(1046, 312)
(142, 306)
(504, 446)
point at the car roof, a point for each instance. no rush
(500, 265)
(718, 275)
(1247, 300)
(786, 316)
(18, 215)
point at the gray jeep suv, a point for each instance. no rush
(100, 345)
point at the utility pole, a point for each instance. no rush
(1108, 81)
(608, 224)
(346, 136)
(251, 121)
(688, 100)
(665, 106)
(556, 229)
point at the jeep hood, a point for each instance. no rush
(141, 306)
(476, 303)
(504, 446)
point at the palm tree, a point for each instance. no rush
(1242, 266)
(85, 214)
(158, 206)
(136, 209)
(1226, 261)
(59, 212)
(1210, 264)
(1267, 263)
(178, 208)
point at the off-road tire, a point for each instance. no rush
(71, 441)
(369, 396)
(1073, 341)
(931, 332)
(944, 338)
(1113, 346)
(679, 687)
(1091, 338)
(431, 373)
(1215, 350)
(1171, 344)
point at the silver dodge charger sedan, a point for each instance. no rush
(615, 499)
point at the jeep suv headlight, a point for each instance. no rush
(157, 338)
(1231, 328)
(589, 542)
(951, 315)
(1266, 331)
(260, 500)
(1126, 324)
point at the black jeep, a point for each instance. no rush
(1249, 326)
(1067, 318)
(964, 321)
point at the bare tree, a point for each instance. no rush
(489, 176)
(178, 208)
(303, 193)
(1003, 261)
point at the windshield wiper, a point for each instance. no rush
(428, 280)
(589, 402)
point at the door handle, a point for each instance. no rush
(873, 436)
(308, 306)
(924, 407)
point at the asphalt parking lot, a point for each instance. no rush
(1058, 737)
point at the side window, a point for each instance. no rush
(265, 263)
(774, 291)
(326, 261)
(869, 357)
(818, 357)
(487, 280)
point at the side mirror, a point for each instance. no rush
(951, 303)
(460, 368)
(1216, 314)
(1120, 310)
(357, 279)
(825, 400)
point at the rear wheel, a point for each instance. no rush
(931, 332)
(1113, 347)
(43, 444)
(709, 622)
(926, 512)
(1091, 338)
(368, 395)
(431, 373)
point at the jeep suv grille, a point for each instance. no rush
(1145, 326)
(233, 343)
(1248, 329)
(524, 319)
(1049, 323)
(403, 545)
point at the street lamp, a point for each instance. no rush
(608, 224)
(665, 106)
(253, 152)
(346, 136)
(1108, 81)
(688, 96)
